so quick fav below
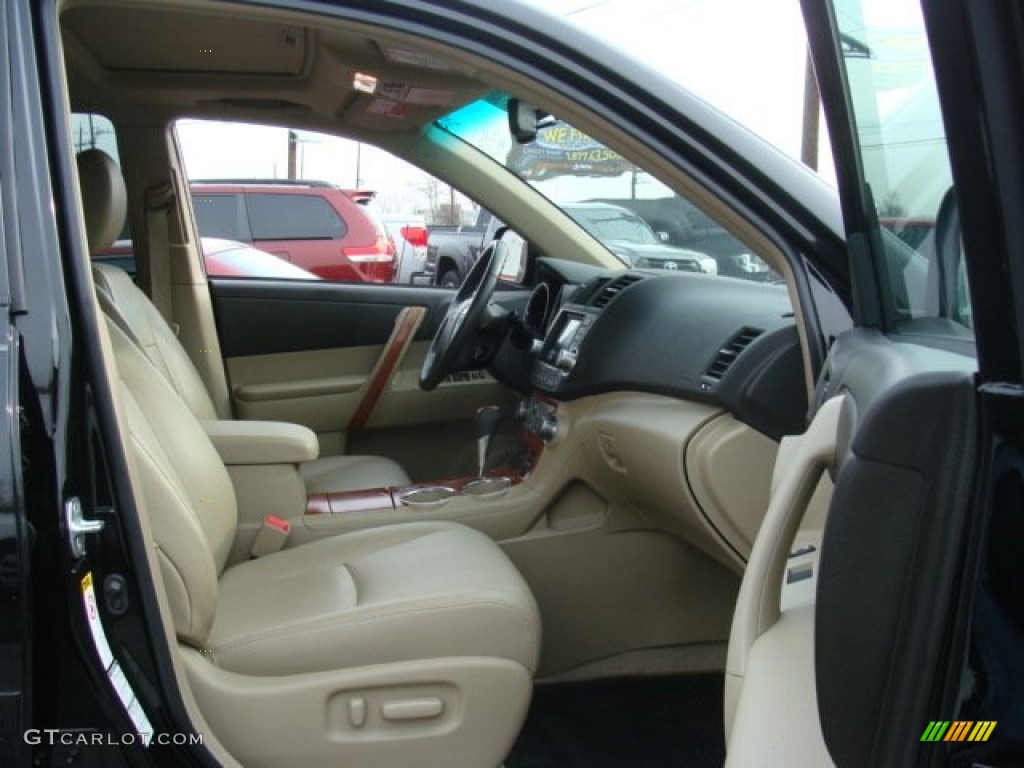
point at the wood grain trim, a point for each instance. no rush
(406, 325)
(318, 504)
(516, 470)
(349, 502)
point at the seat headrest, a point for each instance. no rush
(104, 199)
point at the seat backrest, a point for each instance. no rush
(132, 310)
(183, 485)
(103, 201)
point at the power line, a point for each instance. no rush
(588, 7)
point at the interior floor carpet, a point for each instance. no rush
(642, 722)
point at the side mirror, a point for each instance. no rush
(421, 278)
(513, 269)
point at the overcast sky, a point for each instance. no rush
(747, 57)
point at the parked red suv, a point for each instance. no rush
(313, 224)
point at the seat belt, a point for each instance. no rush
(159, 202)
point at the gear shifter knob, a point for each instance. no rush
(487, 419)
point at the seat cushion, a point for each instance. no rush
(351, 473)
(391, 594)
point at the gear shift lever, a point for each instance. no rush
(487, 419)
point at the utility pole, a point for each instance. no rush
(812, 102)
(293, 143)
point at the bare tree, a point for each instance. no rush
(432, 190)
(444, 202)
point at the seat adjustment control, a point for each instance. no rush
(357, 711)
(412, 709)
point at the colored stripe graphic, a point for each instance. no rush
(958, 730)
(935, 731)
(982, 730)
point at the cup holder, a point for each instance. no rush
(487, 487)
(427, 497)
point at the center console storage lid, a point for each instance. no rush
(262, 442)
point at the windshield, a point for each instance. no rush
(635, 216)
(608, 223)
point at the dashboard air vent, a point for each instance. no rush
(613, 289)
(727, 356)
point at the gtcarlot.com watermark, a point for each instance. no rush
(53, 737)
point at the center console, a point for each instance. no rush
(491, 484)
(556, 358)
(539, 418)
(561, 348)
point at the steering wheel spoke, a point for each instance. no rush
(464, 318)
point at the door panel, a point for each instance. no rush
(907, 459)
(978, 50)
(905, 465)
(306, 353)
(260, 317)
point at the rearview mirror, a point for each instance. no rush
(524, 120)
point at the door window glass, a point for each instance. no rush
(314, 205)
(91, 131)
(903, 151)
(221, 216)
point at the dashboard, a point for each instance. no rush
(721, 341)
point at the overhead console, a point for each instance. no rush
(728, 342)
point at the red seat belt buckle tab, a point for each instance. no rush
(272, 536)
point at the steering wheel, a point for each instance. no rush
(463, 318)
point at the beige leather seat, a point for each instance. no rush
(407, 645)
(103, 195)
